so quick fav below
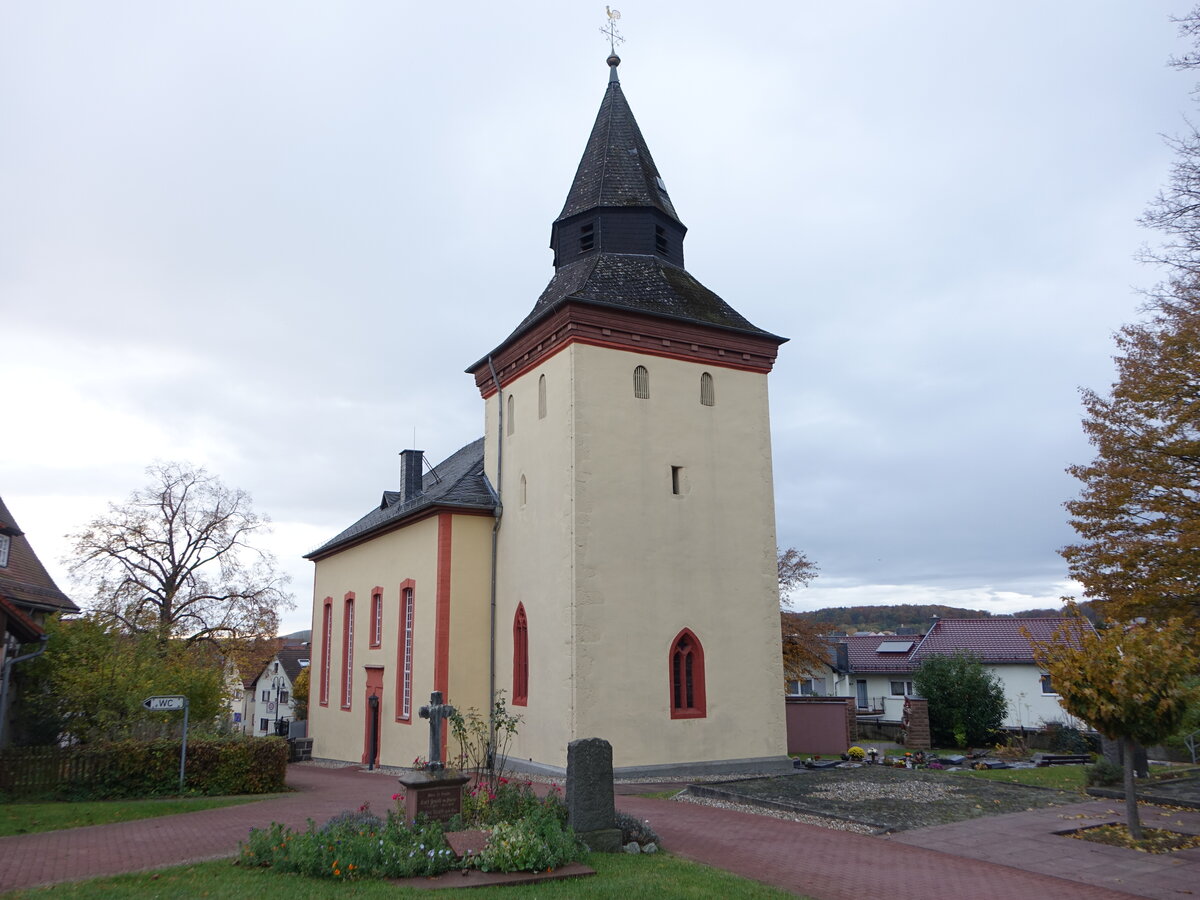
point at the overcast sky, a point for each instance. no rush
(267, 237)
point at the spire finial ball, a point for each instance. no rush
(614, 60)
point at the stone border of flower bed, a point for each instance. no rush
(473, 878)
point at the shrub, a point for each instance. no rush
(633, 829)
(1105, 773)
(533, 844)
(361, 819)
(966, 701)
(483, 807)
(858, 754)
(1065, 738)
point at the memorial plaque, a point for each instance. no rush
(435, 796)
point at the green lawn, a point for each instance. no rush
(1063, 778)
(27, 818)
(618, 875)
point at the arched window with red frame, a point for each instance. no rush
(686, 676)
(326, 627)
(520, 688)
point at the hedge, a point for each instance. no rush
(129, 769)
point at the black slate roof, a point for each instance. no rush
(645, 284)
(617, 168)
(457, 481)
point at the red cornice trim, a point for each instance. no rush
(582, 323)
(401, 523)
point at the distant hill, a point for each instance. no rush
(910, 618)
(297, 637)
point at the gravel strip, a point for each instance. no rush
(833, 824)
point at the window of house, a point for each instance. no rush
(404, 652)
(283, 696)
(266, 696)
(520, 688)
(587, 237)
(377, 617)
(348, 651)
(660, 239)
(326, 627)
(687, 677)
(641, 383)
(707, 396)
(1047, 685)
(901, 688)
(263, 724)
(5, 542)
(511, 424)
(541, 396)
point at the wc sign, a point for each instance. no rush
(173, 704)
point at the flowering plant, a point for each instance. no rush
(858, 754)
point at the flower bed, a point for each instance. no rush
(525, 834)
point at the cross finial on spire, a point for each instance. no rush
(610, 30)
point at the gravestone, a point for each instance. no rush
(591, 810)
(1114, 752)
(434, 792)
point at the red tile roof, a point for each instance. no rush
(864, 655)
(996, 640)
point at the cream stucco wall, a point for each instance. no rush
(611, 564)
(388, 561)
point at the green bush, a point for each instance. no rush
(509, 801)
(532, 844)
(132, 769)
(1105, 773)
(966, 701)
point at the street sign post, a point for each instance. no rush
(173, 704)
(160, 704)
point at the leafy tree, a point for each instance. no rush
(175, 560)
(966, 701)
(795, 571)
(1129, 683)
(805, 649)
(1138, 512)
(92, 685)
(300, 688)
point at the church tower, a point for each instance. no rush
(627, 432)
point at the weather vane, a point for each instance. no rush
(610, 30)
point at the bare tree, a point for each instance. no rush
(176, 560)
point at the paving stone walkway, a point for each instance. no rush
(803, 859)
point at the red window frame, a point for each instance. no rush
(376, 617)
(685, 677)
(520, 679)
(405, 639)
(348, 651)
(326, 644)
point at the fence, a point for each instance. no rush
(41, 771)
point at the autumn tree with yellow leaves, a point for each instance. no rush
(1129, 683)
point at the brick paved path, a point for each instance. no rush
(805, 859)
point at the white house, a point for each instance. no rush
(877, 669)
(270, 698)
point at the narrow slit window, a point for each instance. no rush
(707, 396)
(377, 617)
(348, 651)
(542, 397)
(326, 627)
(524, 491)
(405, 653)
(587, 237)
(676, 479)
(660, 239)
(520, 688)
(511, 425)
(641, 383)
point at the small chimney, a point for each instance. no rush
(411, 473)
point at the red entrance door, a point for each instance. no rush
(373, 706)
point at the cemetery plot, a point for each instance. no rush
(888, 799)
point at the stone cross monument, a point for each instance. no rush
(435, 711)
(432, 792)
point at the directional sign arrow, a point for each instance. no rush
(158, 704)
